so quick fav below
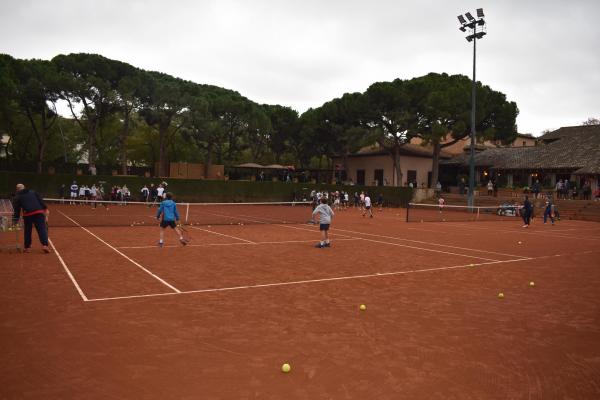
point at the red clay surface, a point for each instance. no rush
(217, 319)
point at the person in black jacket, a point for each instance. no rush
(526, 211)
(34, 213)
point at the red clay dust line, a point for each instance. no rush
(158, 278)
(321, 280)
(427, 243)
(83, 296)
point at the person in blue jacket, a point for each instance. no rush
(170, 217)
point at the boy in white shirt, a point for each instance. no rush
(325, 215)
(368, 206)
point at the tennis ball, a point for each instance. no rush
(286, 368)
(500, 295)
(532, 283)
(520, 242)
(362, 307)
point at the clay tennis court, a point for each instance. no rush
(110, 315)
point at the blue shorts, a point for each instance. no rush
(323, 227)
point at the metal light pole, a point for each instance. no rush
(474, 34)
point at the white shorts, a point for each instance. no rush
(73, 195)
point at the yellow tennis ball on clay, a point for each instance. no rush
(532, 283)
(520, 242)
(286, 368)
(500, 295)
(362, 307)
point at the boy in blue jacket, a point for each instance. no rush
(170, 217)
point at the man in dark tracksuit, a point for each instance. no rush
(34, 213)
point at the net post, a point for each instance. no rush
(407, 208)
(187, 212)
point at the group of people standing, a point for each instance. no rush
(528, 211)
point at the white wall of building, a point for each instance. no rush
(369, 164)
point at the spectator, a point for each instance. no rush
(61, 191)
(535, 188)
(159, 192)
(490, 187)
(587, 191)
(74, 191)
(559, 188)
(145, 193)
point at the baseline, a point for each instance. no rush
(321, 280)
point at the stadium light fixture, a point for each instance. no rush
(474, 34)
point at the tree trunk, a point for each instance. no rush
(435, 164)
(123, 145)
(208, 159)
(41, 151)
(162, 150)
(397, 168)
(92, 146)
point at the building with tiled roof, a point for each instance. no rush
(373, 165)
(571, 153)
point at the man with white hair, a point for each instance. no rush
(34, 213)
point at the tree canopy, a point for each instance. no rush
(121, 115)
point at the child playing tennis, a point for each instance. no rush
(170, 217)
(325, 215)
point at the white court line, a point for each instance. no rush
(83, 296)
(378, 241)
(308, 281)
(527, 232)
(221, 234)
(428, 243)
(349, 277)
(229, 244)
(158, 278)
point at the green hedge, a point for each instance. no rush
(196, 190)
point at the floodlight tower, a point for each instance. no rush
(476, 31)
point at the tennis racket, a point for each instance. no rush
(186, 234)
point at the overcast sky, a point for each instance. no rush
(544, 55)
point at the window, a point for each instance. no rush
(411, 176)
(378, 177)
(360, 177)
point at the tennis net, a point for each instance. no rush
(89, 213)
(447, 213)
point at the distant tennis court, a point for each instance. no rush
(109, 314)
